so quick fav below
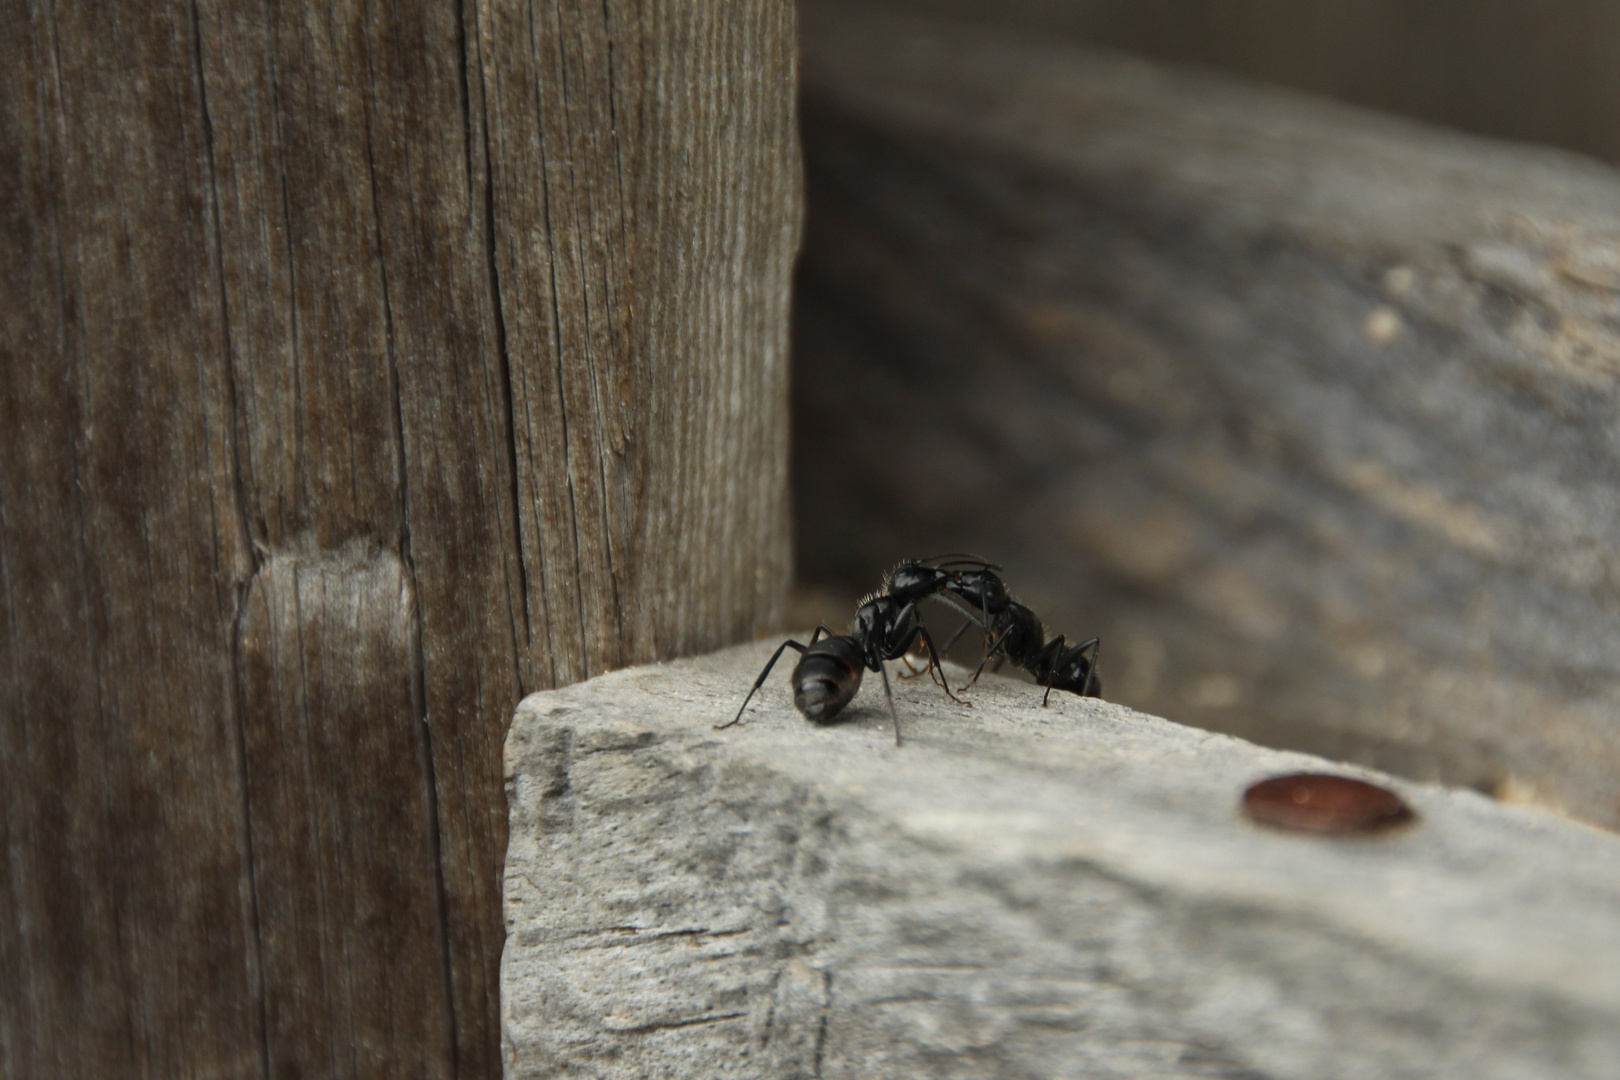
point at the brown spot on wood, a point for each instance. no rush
(1325, 804)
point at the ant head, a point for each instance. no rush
(916, 579)
(911, 580)
(981, 588)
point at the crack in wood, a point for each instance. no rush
(673, 1025)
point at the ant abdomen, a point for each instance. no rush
(829, 669)
(826, 678)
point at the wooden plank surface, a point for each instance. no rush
(1306, 411)
(1072, 891)
(362, 368)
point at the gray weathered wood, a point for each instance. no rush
(362, 368)
(1018, 891)
(1308, 412)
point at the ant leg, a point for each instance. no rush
(1067, 664)
(934, 665)
(908, 616)
(911, 671)
(983, 621)
(1091, 672)
(883, 669)
(1065, 659)
(980, 617)
(960, 630)
(1047, 661)
(775, 656)
(909, 612)
(933, 659)
(990, 650)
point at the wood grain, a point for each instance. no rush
(362, 368)
(1305, 410)
(1072, 891)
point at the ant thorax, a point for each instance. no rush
(874, 618)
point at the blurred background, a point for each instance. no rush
(1511, 69)
(1141, 301)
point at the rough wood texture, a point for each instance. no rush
(1018, 891)
(1308, 412)
(362, 368)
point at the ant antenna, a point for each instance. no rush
(959, 558)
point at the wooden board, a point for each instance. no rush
(361, 369)
(1072, 891)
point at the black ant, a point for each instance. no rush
(886, 627)
(918, 579)
(1013, 632)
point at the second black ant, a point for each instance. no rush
(1014, 632)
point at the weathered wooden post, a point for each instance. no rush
(364, 368)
